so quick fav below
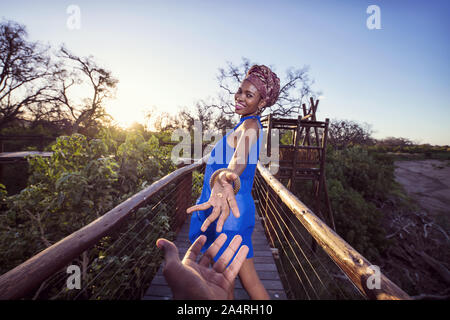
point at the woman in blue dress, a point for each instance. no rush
(232, 162)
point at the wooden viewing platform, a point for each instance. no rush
(264, 264)
(6, 157)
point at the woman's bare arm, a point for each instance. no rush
(248, 137)
(222, 197)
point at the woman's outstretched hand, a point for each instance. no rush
(222, 200)
(189, 279)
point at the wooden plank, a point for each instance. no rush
(159, 280)
(268, 284)
(277, 294)
(262, 253)
(265, 267)
(261, 247)
(259, 241)
(268, 275)
(241, 294)
(156, 298)
(160, 290)
(23, 154)
(264, 259)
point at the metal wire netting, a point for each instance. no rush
(307, 272)
(122, 264)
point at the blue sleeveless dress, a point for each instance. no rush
(220, 157)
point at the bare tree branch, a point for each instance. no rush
(26, 73)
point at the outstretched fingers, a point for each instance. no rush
(232, 271)
(233, 205)
(169, 249)
(211, 218)
(222, 218)
(226, 256)
(194, 249)
(199, 207)
(212, 251)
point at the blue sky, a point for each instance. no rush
(166, 54)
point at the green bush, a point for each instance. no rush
(355, 168)
(81, 181)
(357, 220)
(355, 181)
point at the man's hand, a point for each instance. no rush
(222, 200)
(189, 279)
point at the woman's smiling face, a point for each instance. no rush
(248, 100)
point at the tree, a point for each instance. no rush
(163, 121)
(295, 91)
(393, 141)
(203, 114)
(223, 123)
(218, 112)
(342, 133)
(26, 74)
(86, 74)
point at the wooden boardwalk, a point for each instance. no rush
(8, 157)
(264, 264)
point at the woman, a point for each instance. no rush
(232, 162)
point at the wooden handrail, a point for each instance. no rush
(21, 280)
(26, 137)
(355, 266)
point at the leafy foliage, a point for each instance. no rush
(81, 181)
(356, 182)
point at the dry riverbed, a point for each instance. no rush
(419, 259)
(428, 182)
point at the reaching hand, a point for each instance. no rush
(196, 281)
(221, 199)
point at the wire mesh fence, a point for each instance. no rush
(307, 272)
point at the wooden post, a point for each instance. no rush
(322, 173)
(314, 109)
(306, 140)
(295, 154)
(183, 199)
(269, 135)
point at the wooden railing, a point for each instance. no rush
(46, 271)
(288, 222)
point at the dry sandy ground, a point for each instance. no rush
(420, 260)
(427, 181)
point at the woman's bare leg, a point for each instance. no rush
(250, 281)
